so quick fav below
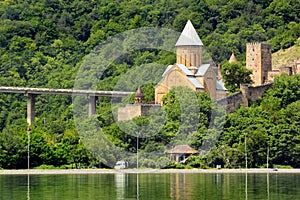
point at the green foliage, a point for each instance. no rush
(196, 162)
(43, 166)
(43, 43)
(269, 127)
(234, 74)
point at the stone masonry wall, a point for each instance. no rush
(234, 101)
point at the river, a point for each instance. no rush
(157, 186)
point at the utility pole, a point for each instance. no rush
(268, 157)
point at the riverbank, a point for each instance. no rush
(113, 171)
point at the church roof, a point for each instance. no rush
(202, 70)
(195, 82)
(220, 85)
(189, 36)
(183, 68)
(192, 77)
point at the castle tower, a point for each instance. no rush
(189, 47)
(259, 60)
(139, 96)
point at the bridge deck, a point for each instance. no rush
(24, 90)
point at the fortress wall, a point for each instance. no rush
(255, 92)
(232, 102)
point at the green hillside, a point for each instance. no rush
(44, 42)
(286, 57)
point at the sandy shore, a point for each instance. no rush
(112, 171)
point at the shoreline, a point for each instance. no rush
(141, 171)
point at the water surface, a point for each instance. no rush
(223, 186)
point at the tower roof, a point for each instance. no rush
(232, 58)
(139, 93)
(189, 36)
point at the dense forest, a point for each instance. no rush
(44, 43)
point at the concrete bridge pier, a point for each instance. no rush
(92, 105)
(30, 108)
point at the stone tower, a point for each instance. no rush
(139, 96)
(189, 47)
(259, 60)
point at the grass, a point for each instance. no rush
(286, 57)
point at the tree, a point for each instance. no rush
(234, 75)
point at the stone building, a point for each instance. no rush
(189, 69)
(139, 108)
(259, 60)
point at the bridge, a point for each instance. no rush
(31, 93)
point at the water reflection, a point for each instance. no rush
(28, 186)
(246, 186)
(178, 186)
(137, 187)
(268, 186)
(123, 182)
(120, 180)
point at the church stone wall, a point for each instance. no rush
(189, 55)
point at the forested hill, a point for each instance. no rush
(43, 43)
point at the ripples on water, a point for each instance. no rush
(189, 186)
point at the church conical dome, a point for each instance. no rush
(189, 36)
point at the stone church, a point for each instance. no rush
(189, 69)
